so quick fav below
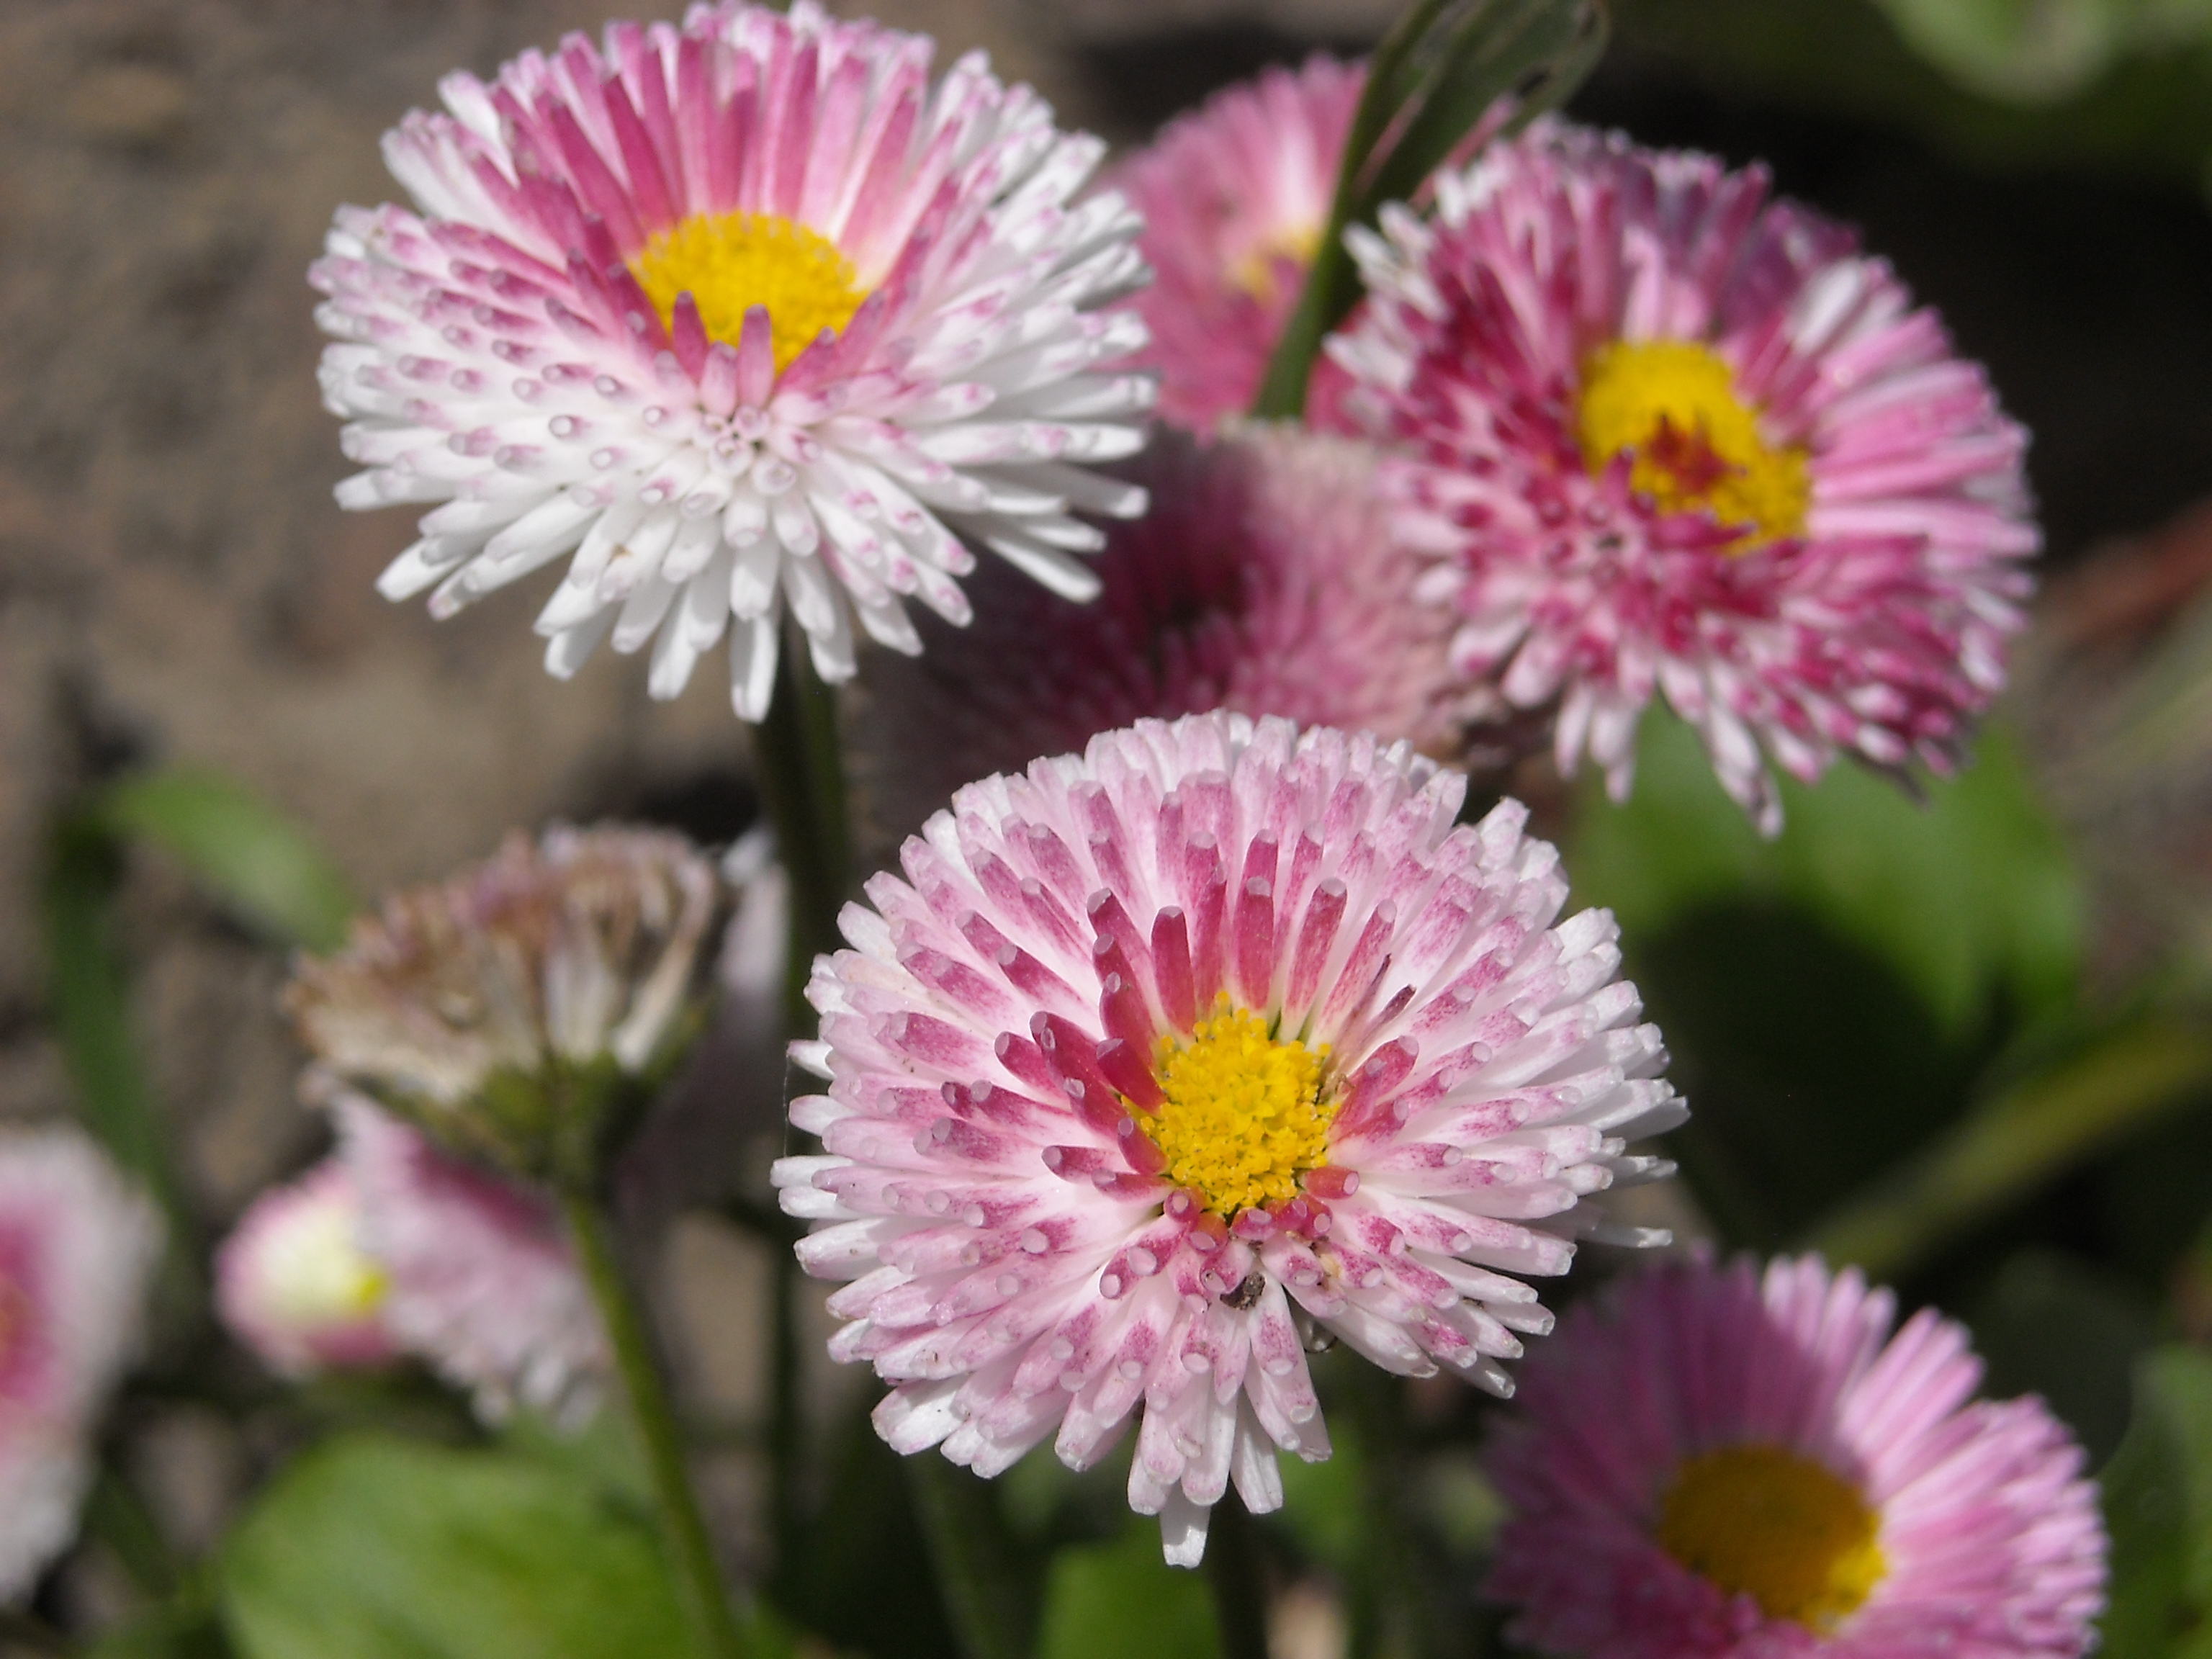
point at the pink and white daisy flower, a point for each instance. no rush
(1164, 1057)
(1264, 580)
(76, 1248)
(735, 316)
(1709, 1462)
(480, 1279)
(1674, 436)
(294, 1286)
(1235, 197)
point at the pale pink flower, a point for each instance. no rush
(294, 1286)
(1264, 580)
(740, 315)
(1235, 197)
(1671, 436)
(1709, 1462)
(481, 1280)
(1165, 1059)
(77, 1247)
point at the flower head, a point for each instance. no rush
(1235, 197)
(735, 316)
(1713, 1463)
(295, 1285)
(514, 1010)
(1264, 580)
(76, 1248)
(1681, 438)
(1161, 1056)
(481, 1280)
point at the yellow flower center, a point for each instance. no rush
(1253, 270)
(730, 261)
(1244, 1118)
(1672, 404)
(320, 1275)
(1760, 1521)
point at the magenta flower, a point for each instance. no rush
(1236, 197)
(294, 1286)
(1711, 1463)
(76, 1248)
(1164, 1058)
(733, 317)
(1264, 580)
(1685, 440)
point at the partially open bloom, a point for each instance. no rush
(481, 1280)
(294, 1284)
(515, 1010)
(735, 316)
(76, 1248)
(1235, 196)
(1164, 1056)
(1677, 437)
(1264, 580)
(1710, 1462)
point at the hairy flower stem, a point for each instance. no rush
(1237, 1575)
(799, 771)
(647, 1393)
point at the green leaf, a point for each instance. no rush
(2158, 1506)
(1122, 1600)
(373, 1548)
(1971, 899)
(260, 863)
(2052, 1324)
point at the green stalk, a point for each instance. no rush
(2023, 1137)
(642, 1384)
(985, 1599)
(1238, 1577)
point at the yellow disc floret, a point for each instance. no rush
(1244, 1118)
(1672, 404)
(731, 262)
(1791, 1533)
(1253, 271)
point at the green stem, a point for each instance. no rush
(2023, 1137)
(991, 1613)
(1238, 1578)
(647, 1393)
(800, 774)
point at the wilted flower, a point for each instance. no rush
(1264, 580)
(1684, 439)
(1236, 197)
(1163, 1056)
(517, 1011)
(295, 1285)
(481, 1278)
(1713, 1463)
(739, 315)
(77, 1247)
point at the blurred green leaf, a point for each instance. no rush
(373, 1548)
(1323, 1503)
(1972, 899)
(1122, 1600)
(2052, 1324)
(260, 863)
(2035, 52)
(2157, 1505)
(184, 1629)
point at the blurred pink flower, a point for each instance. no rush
(294, 1286)
(1161, 1057)
(1235, 196)
(733, 317)
(1711, 1463)
(1264, 580)
(76, 1248)
(1685, 439)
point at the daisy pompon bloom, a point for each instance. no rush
(1710, 1462)
(1163, 1056)
(1684, 438)
(518, 1010)
(481, 1280)
(294, 1286)
(732, 316)
(1235, 196)
(1264, 580)
(76, 1248)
